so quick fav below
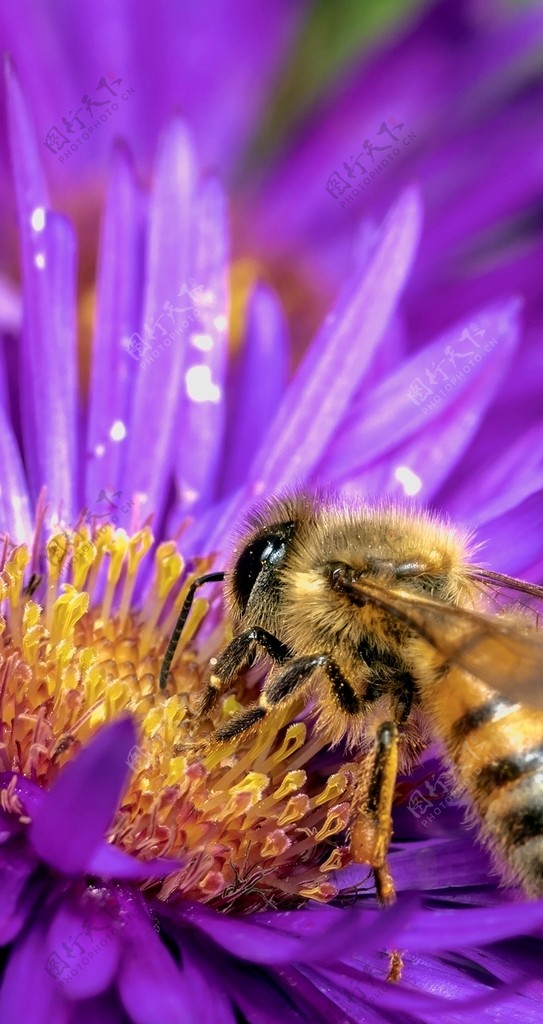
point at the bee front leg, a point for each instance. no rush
(372, 828)
(239, 654)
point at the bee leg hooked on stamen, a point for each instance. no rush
(372, 828)
(238, 655)
(395, 967)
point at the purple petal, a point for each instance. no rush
(109, 862)
(303, 936)
(476, 927)
(201, 403)
(48, 359)
(389, 355)
(32, 797)
(513, 542)
(104, 1009)
(438, 863)
(10, 306)
(117, 319)
(50, 372)
(262, 1000)
(28, 991)
(212, 529)
(28, 176)
(259, 386)
(150, 982)
(434, 87)
(90, 950)
(402, 406)
(503, 483)
(10, 826)
(206, 989)
(15, 514)
(151, 443)
(349, 995)
(17, 864)
(335, 364)
(321, 997)
(409, 1001)
(69, 826)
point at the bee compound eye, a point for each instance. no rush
(274, 552)
(266, 551)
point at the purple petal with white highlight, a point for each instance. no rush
(50, 389)
(420, 464)
(201, 413)
(401, 407)
(29, 179)
(48, 366)
(118, 316)
(150, 443)
(259, 385)
(68, 828)
(331, 371)
(15, 512)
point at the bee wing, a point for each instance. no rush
(503, 654)
(499, 580)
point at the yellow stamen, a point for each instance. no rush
(255, 821)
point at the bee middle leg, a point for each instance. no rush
(295, 674)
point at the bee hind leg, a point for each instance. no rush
(372, 828)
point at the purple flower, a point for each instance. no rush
(146, 876)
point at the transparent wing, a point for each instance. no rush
(504, 654)
(500, 581)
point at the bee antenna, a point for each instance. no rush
(210, 577)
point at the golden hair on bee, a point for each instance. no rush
(379, 615)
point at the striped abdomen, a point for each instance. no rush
(496, 750)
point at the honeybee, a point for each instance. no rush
(380, 615)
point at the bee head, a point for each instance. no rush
(254, 582)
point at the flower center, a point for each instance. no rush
(261, 823)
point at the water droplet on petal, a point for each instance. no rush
(200, 386)
(409, 480)
(118, 431)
